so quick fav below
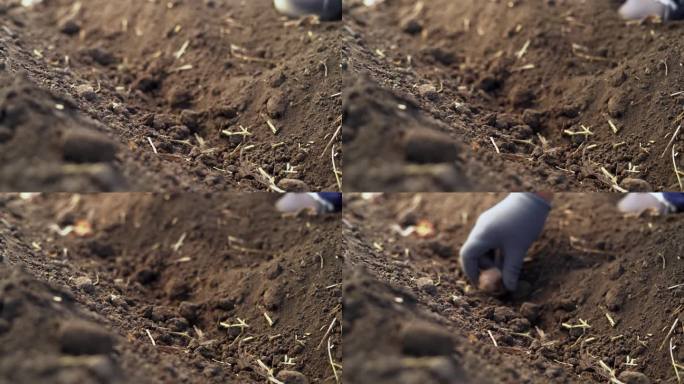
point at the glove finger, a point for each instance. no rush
(471, 252)
(487, 261)
(512, 266)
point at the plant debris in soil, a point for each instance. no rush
(145, 288)
(600, 297)
(158, 95)
(552, 95)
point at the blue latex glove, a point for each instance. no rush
(330, 10)
(511, 227)
(665, 9)
(323, 202)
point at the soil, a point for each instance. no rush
(411, 317)
(506, 82)
(144, 288)
(180, 95)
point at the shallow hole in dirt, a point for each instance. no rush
(562, 95)
(186, 287)
(598, 288)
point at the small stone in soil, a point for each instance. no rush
(101, 249)
(616, 271)
(633, 377)
(190, 119)
(85, 284)
(84, 338)
(615, 298)
(502, 314)
(521, 97)
(101, 56)
(146, 276)
(211, 371)
(178, 290)
(161, 313)
(428, 91)
(293, 185)
(278, 79)
(425, 339)
(86, 91)
(530, 311)
(86, 146)
(519, 325)
(273, 297)
(617, 105)
(179, 98)
(445, 369)
(69, 26)
(292, 377)
(426, 146)
(532, 118)
(411, 25)
(178, 324)
(636, 185)
(277, 104)
(441, 55)
(226, 304)
(190, 311)
(273, 271)
(565, 305)
(179, 132)
(427, 285)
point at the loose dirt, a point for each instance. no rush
(141, 288)
(510, 85)
(410, 316)
(180, 95)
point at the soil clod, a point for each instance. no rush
(530, 311)
(427, 285)
(632, 377)
(292, 377)
(84, 146)
(84, 338)
(425, 339)
(426, 147)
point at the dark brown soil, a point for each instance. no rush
(410, 316)
(78, 309)
(521, 74)
(180, 76)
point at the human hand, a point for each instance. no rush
(330, 10)
(323, 202)
(510, 227)
(641, 202)
(641, 9)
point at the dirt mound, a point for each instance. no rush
(245, 295)
(42, 330)
(599, 292)
(202, 95)
(562, 95)
(415, 155)
(46, 144)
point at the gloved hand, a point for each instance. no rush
(323, 202)
(640, 202)
(327, 10)
(511, 227)
(640, 9)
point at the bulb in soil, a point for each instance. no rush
(491, 281)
